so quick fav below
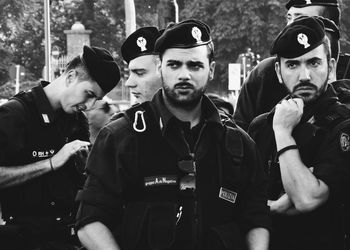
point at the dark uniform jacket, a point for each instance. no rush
(328, 152)
(134, 178)
(31, 131)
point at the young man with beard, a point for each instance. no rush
(44, 138)
(169, 174)
(138, 52)
(304, 150)
(261, 90)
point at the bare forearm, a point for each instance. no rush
(96, 236)
(15, 175)
(299, 182)
(258, 239)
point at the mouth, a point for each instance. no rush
(136, 94)
(183, 86)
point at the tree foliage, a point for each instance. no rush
(11, 13)
(345, 26)
(236, 25)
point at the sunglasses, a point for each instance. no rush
(188, 181)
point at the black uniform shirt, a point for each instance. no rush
(113, 165)
(31, 131)
(323, 151)
(260, 92)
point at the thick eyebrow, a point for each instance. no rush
(173, 61)
(292, 61)
(314, 59)
(195, 63)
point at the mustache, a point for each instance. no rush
(304, 84)
(183, 84)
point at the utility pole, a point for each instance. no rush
(130, 27)
(168, 11)
(130, 17)
(47, 71)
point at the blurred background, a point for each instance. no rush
(242, 31)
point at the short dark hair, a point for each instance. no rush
(210, 47)
(77, 64)
(334, 44)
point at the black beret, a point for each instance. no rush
(101, 67)
(140, 43)
(299, 37)
(303, 3)
(186, 34)
(330, 26)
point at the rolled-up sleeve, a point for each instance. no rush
(255, 212)
(101, 197)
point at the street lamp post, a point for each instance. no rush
(47, 71)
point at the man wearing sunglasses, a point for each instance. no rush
(170, 174)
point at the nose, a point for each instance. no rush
(130, 83)
(184, 74)
(304, 74)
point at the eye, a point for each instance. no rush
(173, 65)
(195, 66)
(291, 65)
(139, 72)
(315, 63)
(90, 95)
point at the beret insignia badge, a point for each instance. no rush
(303, 40)
(344, 142)
(141, 42)
(308, 1)
(197, 34)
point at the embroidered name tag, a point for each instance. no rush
(227, 195)
(160, 180)
(45, 118)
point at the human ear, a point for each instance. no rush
(278, 72)
(211, 70)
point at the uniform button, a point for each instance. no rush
(52, 203)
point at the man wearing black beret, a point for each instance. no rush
(170, 174)
(305, 143)
(138, 52)
(44, 140)
(261, 91)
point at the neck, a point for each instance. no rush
(53, 92)
(186, 115)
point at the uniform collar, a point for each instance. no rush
(42, 103)
(209, 112)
